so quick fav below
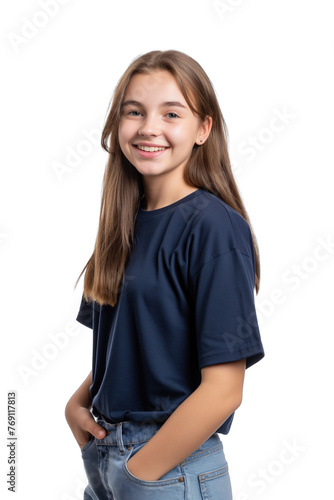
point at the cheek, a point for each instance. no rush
(124, 132)
(182, 137)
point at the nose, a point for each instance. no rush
(150, 126)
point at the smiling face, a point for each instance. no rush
(157, 130)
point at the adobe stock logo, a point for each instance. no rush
(225, 7)
(193, 208)
(78, 491)
(254, 144)
(297, 275)
(30, 28)
(269, 473)
(47, 353)
(75, 154)
(245, 328)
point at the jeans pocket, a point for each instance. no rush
(169, 486)
(216, 484)
(87, 445)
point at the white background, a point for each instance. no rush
(265, 58)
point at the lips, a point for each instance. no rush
(149, 147)
(149, 151)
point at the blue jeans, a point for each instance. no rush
(203, 475)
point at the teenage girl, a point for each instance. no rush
(168, 293)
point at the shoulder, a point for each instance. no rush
(218, 227)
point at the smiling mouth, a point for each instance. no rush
(150, 149)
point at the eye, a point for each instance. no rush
(133, 111)
(175, 115)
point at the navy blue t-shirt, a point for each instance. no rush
(186, 301)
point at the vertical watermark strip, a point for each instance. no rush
(12, 440)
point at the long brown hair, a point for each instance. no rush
(208, 167)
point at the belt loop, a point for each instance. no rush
(119, 437)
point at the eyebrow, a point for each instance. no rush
(162, 105)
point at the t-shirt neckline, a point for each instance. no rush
(143, 214)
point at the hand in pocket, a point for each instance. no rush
(82, 424)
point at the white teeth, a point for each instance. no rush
(145, 148)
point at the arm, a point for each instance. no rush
(193, 422)
(82, 395)
(79, 417)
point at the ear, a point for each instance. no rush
(204, 130)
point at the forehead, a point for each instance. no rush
(155, 85)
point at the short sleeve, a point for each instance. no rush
(224, 310)
(85, 314)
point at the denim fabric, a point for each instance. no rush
(201, 476)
